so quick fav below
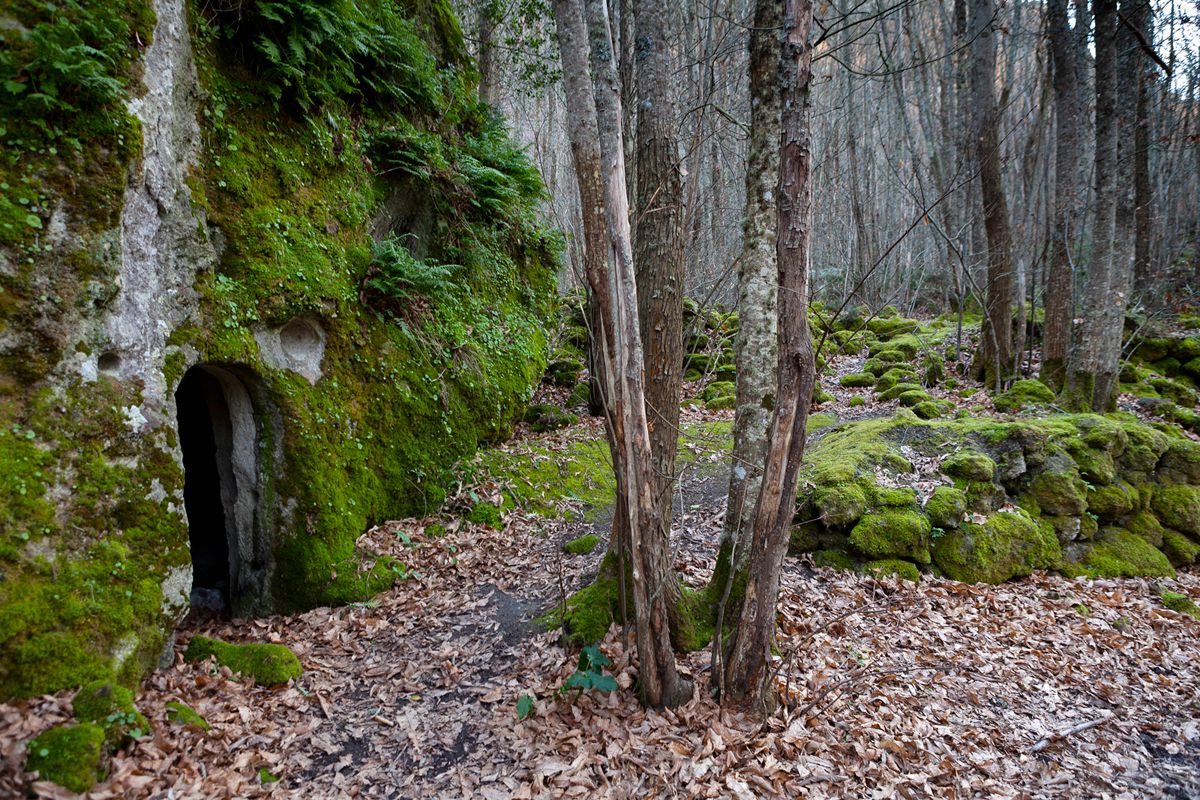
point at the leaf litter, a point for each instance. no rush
(1046, 687)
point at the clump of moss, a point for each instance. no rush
(718, 389)
(1181, 603)
(111, 707)
(1118, 553)
(969, 465)
(489, 514)
(69, 755)
(840, 506)
(267, 664)
(1059, 493)
(896, 390)
(893, 566)
(946, 507)
(591, 611)
(726, 403)
(1112, 502)
(930, 409)
(563, 372)
(582, 545)
(1178, 507)
(857, 401)
(914, 397)
(1023, 394)
(1006, 545)
(890, 533)
(857, 380)
(833, 559)
(182, 714)
(1145, 525)
(1179, 549)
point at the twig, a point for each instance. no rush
(1080, 728)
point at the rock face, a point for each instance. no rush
(988, 500)
(211, 380)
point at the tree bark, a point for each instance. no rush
(488, 81)
(615, 289)
(994, 364)
(748, 673)
(757, 340)
(1056, 343)
(1093, 370)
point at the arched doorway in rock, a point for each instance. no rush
(220, 439)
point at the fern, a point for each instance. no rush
(395, 278)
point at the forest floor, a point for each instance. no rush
(891, 689)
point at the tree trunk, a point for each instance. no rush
(488, 81)
(757, 339)
(1067, 141)
(1142, 17)
(615, 289)
(1093, 372)
(748, 673)
(994, 364)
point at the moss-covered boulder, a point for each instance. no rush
(1177, 601)
(842, 505)
(545, 417)
(111, 707)
(1059, 493)
(267, 664)
(969, 465)
(1145, 525)
(1006, 545)
(1112, 502)
(725, 403)
(1179, 549)
(946, 507)
(1178, 507)
(857, 380)
(70, 755)
(563, 372)
(1118, 553)
(899, 389)
(1023, 394)
(893, 533)
(893, 376)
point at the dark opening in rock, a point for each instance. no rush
(203, 414)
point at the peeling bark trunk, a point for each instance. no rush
(748, 674)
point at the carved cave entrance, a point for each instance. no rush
(219, 436)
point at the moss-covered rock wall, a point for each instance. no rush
(342, 240)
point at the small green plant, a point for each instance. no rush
(590, 673)
(525, 706)
(395, 278)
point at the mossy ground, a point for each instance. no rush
(69, 755)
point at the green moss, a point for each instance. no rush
(857, 380)
(267, 664)
(833, 559)
(1118, 553)
(1178, 507)
(857, 401)
(582, 545)
(1181, 603)
(893, 376)
(185, 715)
(544, 417)
(946, 507)
(1180, 462)
(840, 506)
(69, 755)
(1179, 549)
(726, 403)
(893, 566)
(591, 611)
(1112, 502)
(902, 497)
(111, 707)
(489, 514)
(1023, 394)
(893, 533)
(914, 397)
(718, 389)
(1146, 526)
(1006, 545)
(563, 372)
(930, 409)
(969, 465)
(897, 390)
(1059, 493)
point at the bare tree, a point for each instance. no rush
(994, 364)
(757, 337)
(1093, 368)
(1068, 110)
(748, 671)
(614, 289)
